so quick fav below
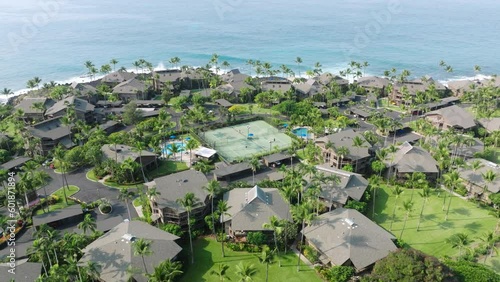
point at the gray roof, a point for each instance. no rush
(344, 138)
(476, 178)
(327, 78)
(83, 88)
(410, 137)
(361, 112)
(352, 185)
(104, 225)
(410, 159)
(108, 124)
(57, 215)
(468, 150)
(185, 93)
(223, 102)
(109, 103)
(25, 271)
(276, 176)
(250, 208)
(276, 157)
(275, 83)
(232, 169)
(418, 85)
(114, 250)
(455, 116)
(26, 105)
(149, 102)
(79, 104)
(50, 129)
(124, 152)
(118, 77)
(344, 235)
(169, 75)
(310, 87)
(373, 82)
(175, 186)
(131, 86)
(491, 124)
(14, 163)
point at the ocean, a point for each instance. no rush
(52, 39)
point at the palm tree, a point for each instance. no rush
(188, 203)
(222, 208)
(190, 145)
(425, 194)
(88, 223)
(245, 272)
(139, 147)
(357, 142)
(396, 192)
(266, 258)
(142, 248)
(213, 189)
(341, 152)
(254, 165)
(302, 213)
(374, 181)
(174, 148)
(166, 271)
(126, 195)
(490, 239)
(408, 207)
(298, 61)
(221, 272)
(452, 181)
(92, 270)
(488, 177)
(274, 225)
(113, 62)
(6, 91)
(459, 240)
(59, 154)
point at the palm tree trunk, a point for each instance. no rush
(144, 263)
(267, 272)
(128, 210)
(213, 220)
(190, 240)
(448, 210)
(223, 230)
(421, 212)
(277, 249)
(300, 248)
(55, 254)
(393, 214)
(48, 257)
(404, 226)
(373, 205)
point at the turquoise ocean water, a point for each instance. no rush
(53, 38)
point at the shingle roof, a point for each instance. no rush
(276, 157)
(118, 77)
(344, 235)
(50, 129)
(455, 116)
(57, 215)
(177, 185)
(14, 163)
(123, 152)
(410, 159)
(114, 251)
(223, 103)
(327, 78)
(79, 104)
(250, 208)
(130, 86)
(476, 177)
(491, 124)
(352, 185)
(169, 75)
(26, 105)
(232, 169)
(345, 138)
(24, 272)
(373, 82)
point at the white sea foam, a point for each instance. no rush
(457, 78)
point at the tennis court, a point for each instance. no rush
(244, 140)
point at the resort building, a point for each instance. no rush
(24, 271)
(59, 218)
(250, 208)
(279, 84)
(132, 89)
(173, 187)
(451, 117)
(120, 153)
(329, 78)
(308, 88)
(169, 78)
(114, 251)
(34, 108)
(84, 111)
(490, 124)
(347, 237)
(117, 77)
(397, 96)
(356, 156)
(477, 186)
(409, 159)
(234, 82)
(49, 133)
(460, 87)
(83, 89)
(336, 194)
(374, 85)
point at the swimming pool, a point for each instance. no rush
(300, 132)
(167, 149)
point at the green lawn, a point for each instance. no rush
(208, 254)
(61, 203)
(258, 110)
(122, 186)
(463, 217)
(167, 167)
(91, 175)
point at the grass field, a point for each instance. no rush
(167, 167)
(463, 217)
(256, 109)
(61, 203)
(208, 254)
(232, 143)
